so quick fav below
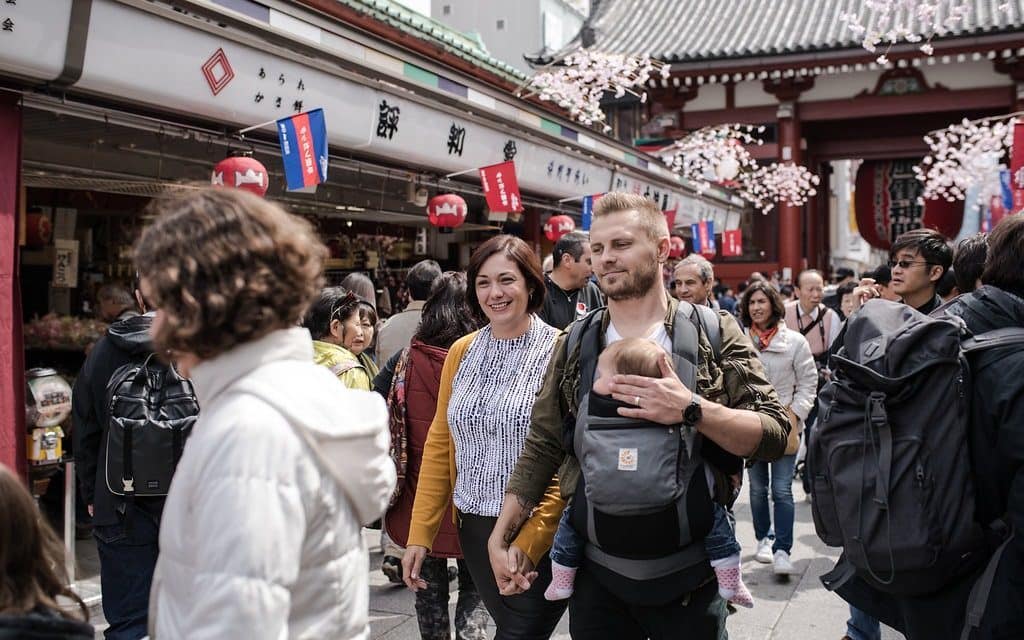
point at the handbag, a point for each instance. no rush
(793, 440)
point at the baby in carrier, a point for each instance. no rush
(638, 356)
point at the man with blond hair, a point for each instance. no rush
(639, 582)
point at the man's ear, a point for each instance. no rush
(140, 301)
(935, 273)
(663, 248)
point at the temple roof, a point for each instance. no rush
(705, 30)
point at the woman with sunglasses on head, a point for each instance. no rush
(335, 323)
(488, 386)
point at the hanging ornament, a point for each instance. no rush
(447, 211)
(558, 226)
(243, 171)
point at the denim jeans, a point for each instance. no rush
(567, 548)
(721, 541)
(128, 552)
(862, 626)
(781, 478)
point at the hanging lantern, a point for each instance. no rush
(558, 226)
(885, 204)
(241, 170)
(676, 247)
(447, 211)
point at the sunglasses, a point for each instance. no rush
(906, 264)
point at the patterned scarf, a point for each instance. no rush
(763, 338)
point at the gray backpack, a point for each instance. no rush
(636, 477)
(890, 465)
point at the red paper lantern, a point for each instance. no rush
(676, 247)
(886, 204)
(243, 172)
(558, 226)
(447, 211)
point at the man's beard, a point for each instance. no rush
(635, 284)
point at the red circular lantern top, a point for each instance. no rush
(558, 226)
(676, 247)
(243, 172)
(447, 211)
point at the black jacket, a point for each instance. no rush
(561, 307)
(43, 625)
(997, 446)
(126, 341)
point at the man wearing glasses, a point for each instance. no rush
(918, 260)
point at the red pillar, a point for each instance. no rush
(790, 218)
(12, 355)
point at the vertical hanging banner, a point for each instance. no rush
(704, 238)
(304, 149)
(732, 243)
(1017, 167)
(670, 217)
(588, 211)
(501, 189)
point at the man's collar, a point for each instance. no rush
(551, 279)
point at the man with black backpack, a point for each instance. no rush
(131, 416)
(640, 491)
(918, 468)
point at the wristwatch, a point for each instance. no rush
(692, 413)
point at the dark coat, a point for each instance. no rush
(43, 625)
(997, 458)
(422, 380)
(997, 448)
(126, 341)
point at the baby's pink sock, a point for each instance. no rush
(562, 579)
(730, 584)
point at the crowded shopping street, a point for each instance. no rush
(588, 319)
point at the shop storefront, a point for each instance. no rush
(110, 103)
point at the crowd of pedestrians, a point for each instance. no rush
(572, 437)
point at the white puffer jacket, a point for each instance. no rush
(260, 538)
(790, 367)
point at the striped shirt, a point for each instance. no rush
(489, 412)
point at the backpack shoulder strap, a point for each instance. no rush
(711, 323)
(991, 339)
(584, 336)
(686, 331)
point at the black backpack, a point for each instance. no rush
(890, 464)
(151, 410)
(634, 516)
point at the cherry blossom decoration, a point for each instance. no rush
(963, 155)
(717, 155)
(580, 81)
(912, 21)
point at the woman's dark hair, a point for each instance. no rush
(1004, 266)
(525, 259)
(226, 267)
(368, 313)
(778, 308)
(333, 303)
(32, 573)
(446, 318)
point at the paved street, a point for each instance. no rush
(797, 609)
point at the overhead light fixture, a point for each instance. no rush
(348, 223)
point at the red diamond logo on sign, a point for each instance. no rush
(218, 72)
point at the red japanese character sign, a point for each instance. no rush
(501, 188)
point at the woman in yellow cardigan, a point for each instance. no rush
(488, 385)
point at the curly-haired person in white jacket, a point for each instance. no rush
(261, 533)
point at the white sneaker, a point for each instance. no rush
(764, 551)
(783, 567)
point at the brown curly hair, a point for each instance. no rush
(225, 267)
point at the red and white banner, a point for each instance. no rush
(1017, 163)
(732, 243)
(670, 218)
(501, 187)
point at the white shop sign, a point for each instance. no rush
(33, 37)
(65, 263)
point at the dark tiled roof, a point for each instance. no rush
(694, 30)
